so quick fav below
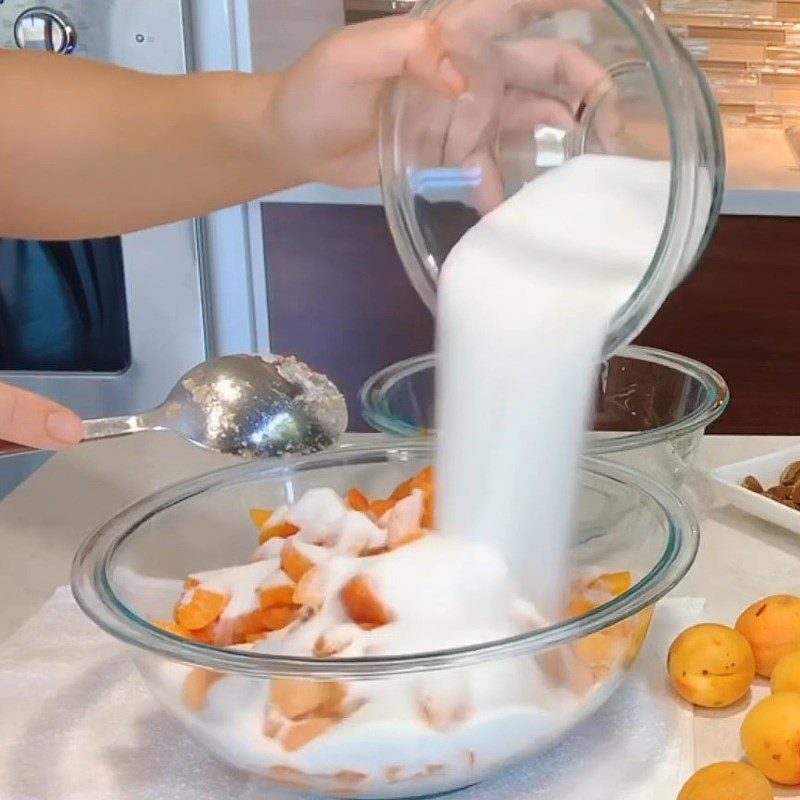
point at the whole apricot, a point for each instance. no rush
(727, 780)
(711, 665)
(771, 737)
(772, 626)
(786, 675)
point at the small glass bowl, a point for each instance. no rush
(132, 569)
(652, 408)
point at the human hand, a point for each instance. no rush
(325, 109)
(34, 421)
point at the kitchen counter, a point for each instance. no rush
(43, 521)
(763, 179)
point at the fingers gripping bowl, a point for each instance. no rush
(440, 694)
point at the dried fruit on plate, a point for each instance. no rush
(786, 492)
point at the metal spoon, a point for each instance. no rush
(241, 405)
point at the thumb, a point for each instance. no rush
(395, 46)
(34, 421)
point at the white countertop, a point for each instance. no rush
(44, 520)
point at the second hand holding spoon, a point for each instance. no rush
(240, 405)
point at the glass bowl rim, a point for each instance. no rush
(716, 396)
(94, 594)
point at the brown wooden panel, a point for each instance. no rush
(739, 312)
(340, 299)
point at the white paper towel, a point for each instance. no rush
(77, 723)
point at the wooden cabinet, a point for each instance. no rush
(340, 299)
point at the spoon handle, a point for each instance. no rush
(105, 428)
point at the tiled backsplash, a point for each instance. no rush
(750, 50)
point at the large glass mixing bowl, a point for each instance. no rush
(549, 81)
(651, 411)
(132, 569)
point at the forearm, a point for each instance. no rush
(88, 150)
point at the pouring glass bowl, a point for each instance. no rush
(543, 88)
(651, 412)
(132, 569)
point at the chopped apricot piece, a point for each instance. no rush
(294, 563)
(262, 621)
(206, 635)
(380, 507)
(362, 603)
(273, 596)
(350, 777)
(260, 516)
(402, 491)
(191, 583)
(310, 590)
(427, 512)
(616, 583)
(357, 500)
(442, 715)
(301, 733)
(170, 627)
(332, 642)
(196, 686)
(283, 530)
(201, 608)
(579, 605)
(297, 699)
(290, 777)
(251, 638)
(278, 617)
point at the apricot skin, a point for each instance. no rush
(771, 737)
(727, 781)
(772, 626)
(786, 675)
(711, 665)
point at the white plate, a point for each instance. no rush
(767, 469)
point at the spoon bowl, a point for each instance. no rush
(241, 405)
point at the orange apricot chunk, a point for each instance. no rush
(772, 626)
(272, 596)
(170, 627)
(357, 500)
(711, 665)
(196, 686)
(727, 781)
(310, 590)
(362, 603)
(290, 777)
(294, 563)
(206, 635)
(615, 583)
(201, 608)
(299, 734)
(296, 698)
(771, 737)
(260, 516)
(379, 507)
(283, 530)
